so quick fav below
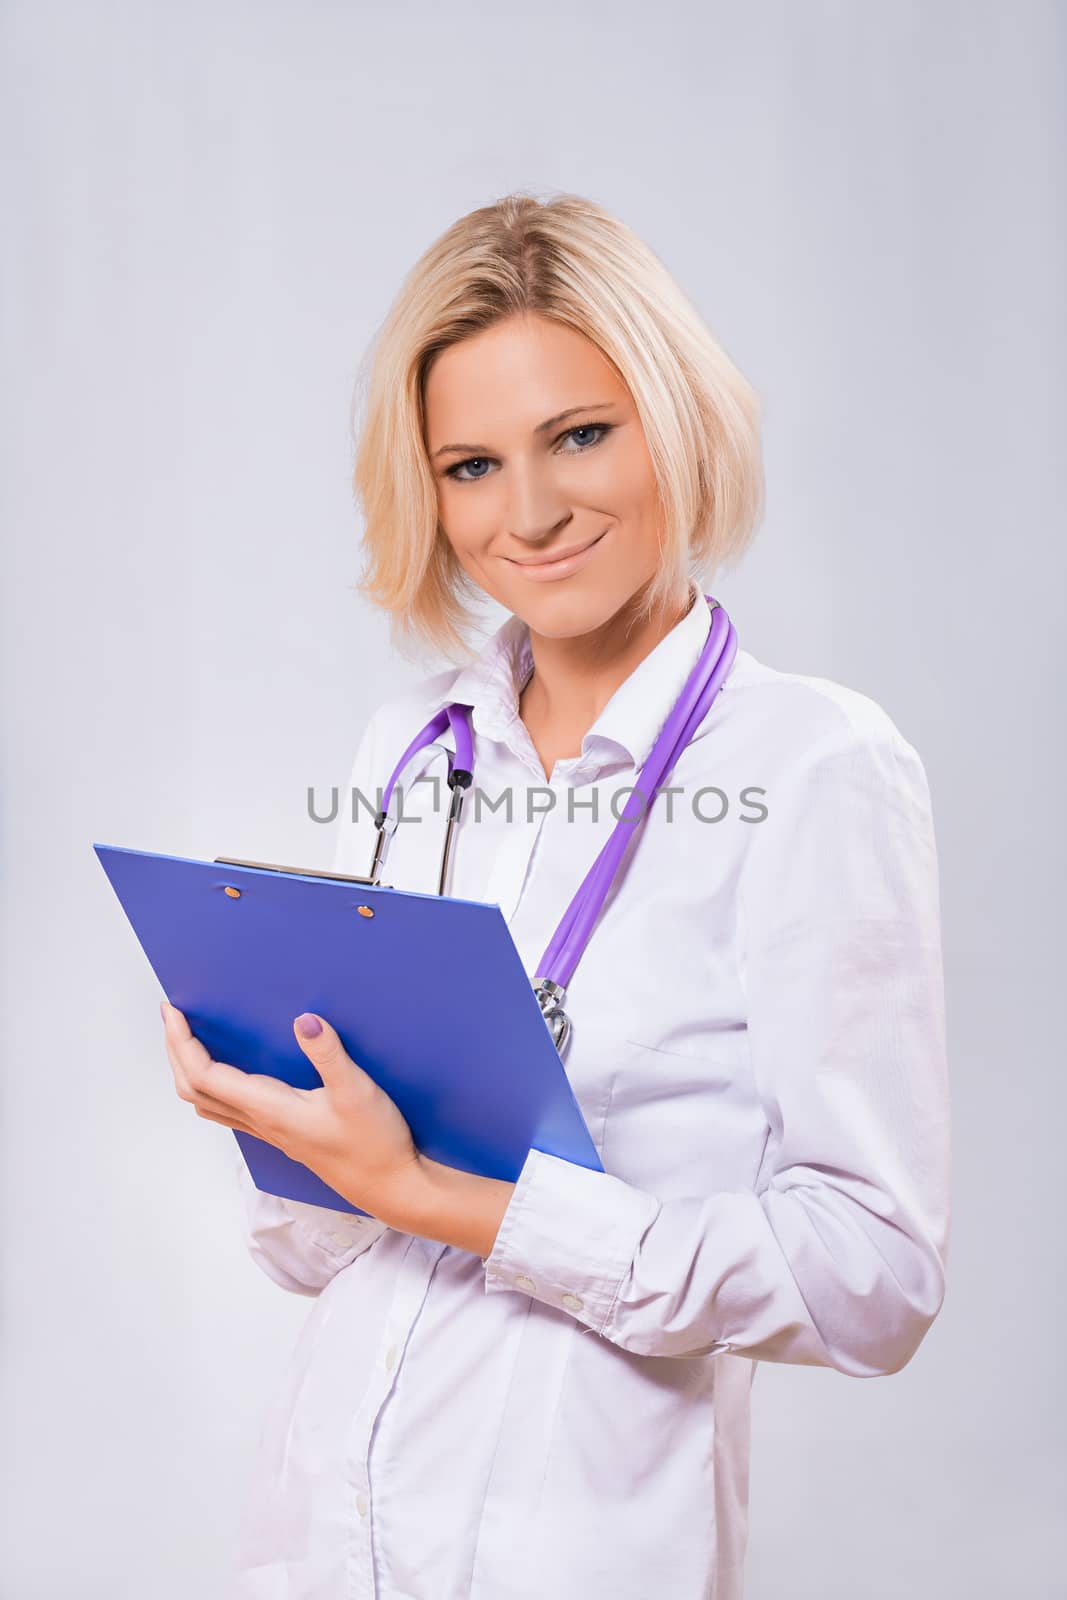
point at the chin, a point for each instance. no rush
(567, 611)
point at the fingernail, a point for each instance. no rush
(163, 1009)
(308, 1025)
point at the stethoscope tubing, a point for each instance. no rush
(568, 943)
(572, 935)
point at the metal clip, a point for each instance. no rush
(550, 997)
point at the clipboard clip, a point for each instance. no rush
(300, 872)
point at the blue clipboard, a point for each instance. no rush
(428, 994)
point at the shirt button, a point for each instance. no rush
(572, 1302)
(523, 1282)
(390, 1358)
(361, 1503)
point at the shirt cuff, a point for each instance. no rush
(336, 1233)
(569, 1237)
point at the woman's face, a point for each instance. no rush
(537, 449)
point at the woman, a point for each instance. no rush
(757, 1043)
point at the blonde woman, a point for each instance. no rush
(541, 1387)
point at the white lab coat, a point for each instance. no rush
(759, 1053)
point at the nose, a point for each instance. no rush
(534, 510)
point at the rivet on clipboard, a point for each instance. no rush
(365, 911)
(234, 894)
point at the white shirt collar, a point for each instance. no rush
(492, 683)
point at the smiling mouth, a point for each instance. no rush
(551, 560)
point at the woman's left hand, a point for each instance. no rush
(349, 1131)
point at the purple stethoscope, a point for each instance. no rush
(565, 948)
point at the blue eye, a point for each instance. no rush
(472, 461)
(599, 429)
(588, 427)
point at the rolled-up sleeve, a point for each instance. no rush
(836, 1256)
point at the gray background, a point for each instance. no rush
(207, 210)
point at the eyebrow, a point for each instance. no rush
(542, 427)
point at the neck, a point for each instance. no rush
(573, 679)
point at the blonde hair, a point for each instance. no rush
(569, 260)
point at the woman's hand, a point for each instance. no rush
(349, 1131)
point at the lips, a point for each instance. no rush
(563, 555)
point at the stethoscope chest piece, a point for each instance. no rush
(550, 997)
